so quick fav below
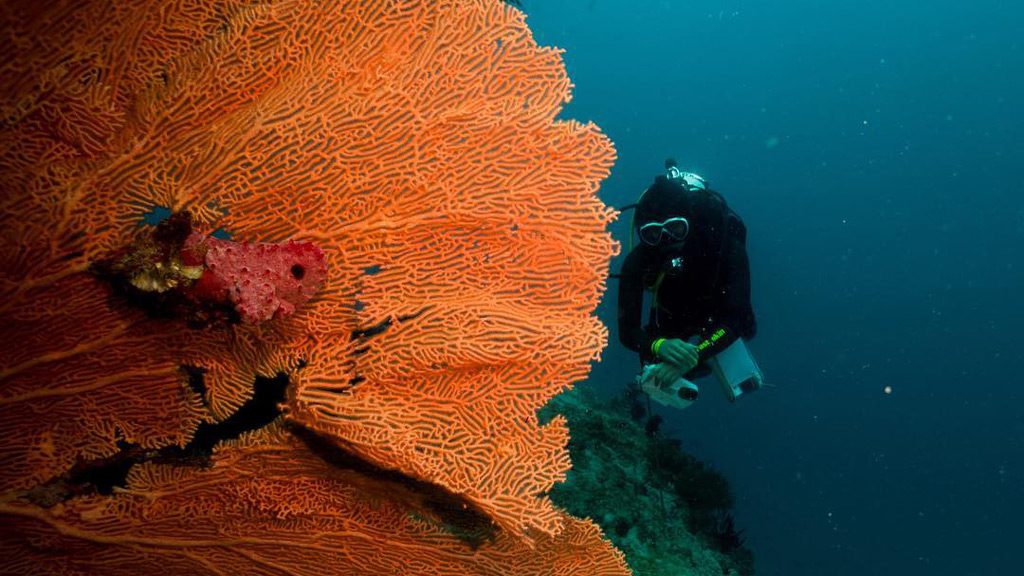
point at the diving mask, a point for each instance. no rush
(675, 228)
(688, 179)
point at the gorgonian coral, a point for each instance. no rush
(415, 144)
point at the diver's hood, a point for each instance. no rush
(664, 199)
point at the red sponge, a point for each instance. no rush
(260, 280)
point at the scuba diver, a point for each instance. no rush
(692, 257)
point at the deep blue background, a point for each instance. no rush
(875, 150)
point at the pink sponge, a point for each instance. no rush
(260, 280)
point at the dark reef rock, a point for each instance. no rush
(667, 511)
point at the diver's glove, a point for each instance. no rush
(663, 374)
(679, 353)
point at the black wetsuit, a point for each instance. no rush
(708, 288)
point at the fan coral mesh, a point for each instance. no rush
(271, 506)
(414, 142)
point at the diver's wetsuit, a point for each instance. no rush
(708, 292)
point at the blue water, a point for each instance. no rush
(875, 151)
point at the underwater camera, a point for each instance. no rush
(736, 370)
(680, 394)
(733, 367)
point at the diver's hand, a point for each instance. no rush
(664, 374)
(679, 353)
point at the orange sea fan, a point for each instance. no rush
(270, 505)
(415, 142)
